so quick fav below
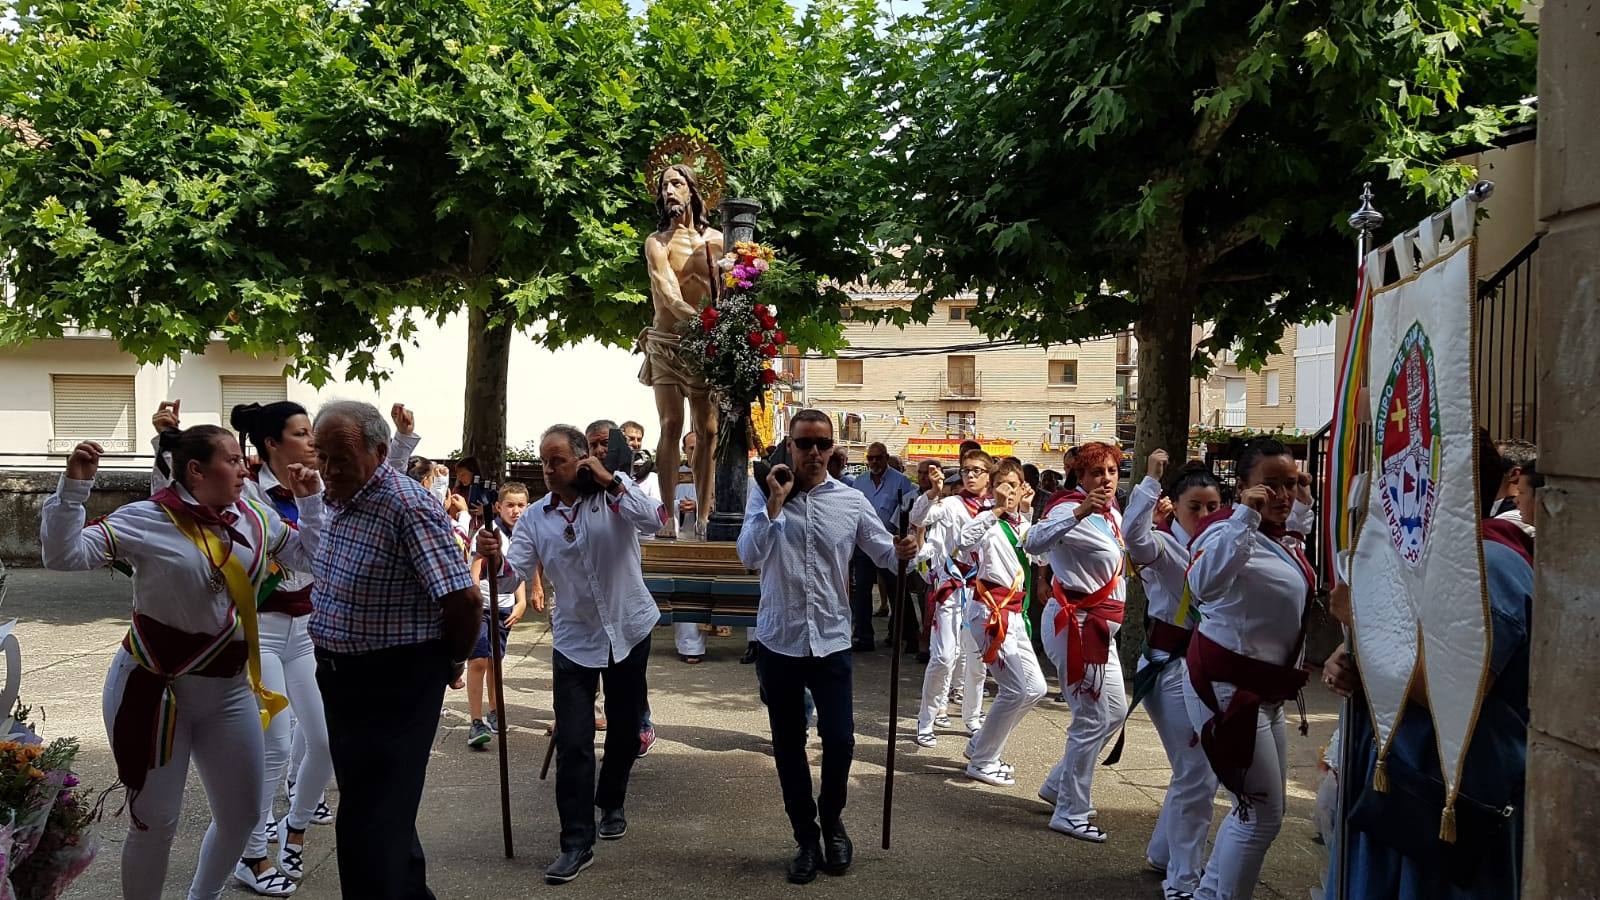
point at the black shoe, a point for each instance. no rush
(613, 825)
(803, 868)
(749, 654)
(836, 849)
(568, 865)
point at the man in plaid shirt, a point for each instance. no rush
(394, 615)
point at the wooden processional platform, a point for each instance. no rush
(701, 582)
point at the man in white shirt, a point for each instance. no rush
(600, 625)
(800, 535)
(651, 482)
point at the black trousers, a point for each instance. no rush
(577, 793)
(383, 712)
(784, 680)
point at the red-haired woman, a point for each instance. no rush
(1081, 534)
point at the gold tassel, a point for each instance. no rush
(1447, 822)
(1380, 777)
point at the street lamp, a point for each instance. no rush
(900, 403)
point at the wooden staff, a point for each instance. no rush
(549, 753)
(497, 653)
(896, 616)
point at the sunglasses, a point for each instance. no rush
(807, 444)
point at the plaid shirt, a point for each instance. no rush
(387, 557)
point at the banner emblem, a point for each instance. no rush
(1408, 454)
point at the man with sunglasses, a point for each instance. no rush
(885, 488)
(800, 530)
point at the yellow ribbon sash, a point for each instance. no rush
(242, 587)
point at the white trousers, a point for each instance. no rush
(690, 639)
(219, 727)
(948, 645)
(289, 668)
(1095, 720)
(1179, 839)
(1241, 846)
(1021, 683)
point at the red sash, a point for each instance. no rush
(1001, 601)
(1229, 738)
(163, 654)
(1089, 643)
(942, 591)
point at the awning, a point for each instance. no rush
(945, 448)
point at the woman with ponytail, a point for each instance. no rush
(1159, 527)
(186, 682)
(1244, 660)
(282, 437)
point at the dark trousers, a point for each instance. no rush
(577, 793)
(784, 680)
(383, 711)
(863, 575)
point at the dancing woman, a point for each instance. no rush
(178, 687)
(1244, 659)
(281, 435)
(1159, 529)
(1081, 532)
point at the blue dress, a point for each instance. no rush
(1486, 864)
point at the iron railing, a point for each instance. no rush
(1508, 386)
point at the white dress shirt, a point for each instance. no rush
(1162, 556)
(803, 556)
(171, 576)
(602, 608)
(1084, 554)
(1254, 591)
(941, 536)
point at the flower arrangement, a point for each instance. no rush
(46, 819)
(735, 338)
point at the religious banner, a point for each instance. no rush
(1416, 577)
(945, 448)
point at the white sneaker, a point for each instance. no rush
(1080, 829)
(994, 774)
(271, 883)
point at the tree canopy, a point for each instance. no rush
(1087, 165)
(314, 177)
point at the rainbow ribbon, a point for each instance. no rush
(1348, 416)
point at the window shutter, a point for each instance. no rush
(241, 389)
(92, 408)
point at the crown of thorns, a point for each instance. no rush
(697, 154)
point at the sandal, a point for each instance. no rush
(271, 883)
(1080, 829)
(322, 815)
(272, 831)
(941, 721)
(291, 857)
(991, 774)
(926, 739)
(1172, 893)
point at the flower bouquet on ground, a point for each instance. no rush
(46, 820)
(735, 338)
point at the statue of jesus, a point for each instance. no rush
(682, 260)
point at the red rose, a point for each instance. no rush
(709, 316)
(755, 338)
(760, 309)
(778, 337)
(768, 376)
(769, 322)
(769, 351)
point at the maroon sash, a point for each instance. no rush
(1229, 738)
(1169, 638)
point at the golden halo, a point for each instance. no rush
(697, 154)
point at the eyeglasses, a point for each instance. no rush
(973, 471)
(807, 444)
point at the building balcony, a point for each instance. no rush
(969, 388)
(1233, 418)
(109, 445)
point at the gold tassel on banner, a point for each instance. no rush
(1447, 822)
(1380, 777)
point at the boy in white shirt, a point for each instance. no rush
(513, 603)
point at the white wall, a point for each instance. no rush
(574, 385)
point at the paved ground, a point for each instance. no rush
(704, 810)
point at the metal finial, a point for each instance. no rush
(1481, 191)
(1366, 219)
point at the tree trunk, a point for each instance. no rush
(1165, 333)
(483, 429)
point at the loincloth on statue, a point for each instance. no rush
(663, 365)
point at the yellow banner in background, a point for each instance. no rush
(942, 448)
